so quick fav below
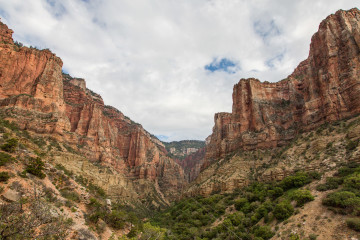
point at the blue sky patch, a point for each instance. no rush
(56, 8)
(266, 29)
(3, 14)
(224, 64)
(272, 61)
(163, 138)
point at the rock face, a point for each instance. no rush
(39, 97)
(11, 195)
(323, 88)
(192, 163)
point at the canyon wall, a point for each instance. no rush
(323, 88)
(40, 98)
(192, 163)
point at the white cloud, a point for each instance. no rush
(147, 58)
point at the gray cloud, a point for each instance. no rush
(148, 58)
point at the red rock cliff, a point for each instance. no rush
(325, 87)
(39, 97)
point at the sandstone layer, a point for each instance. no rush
(192, 163)
(40, 98)
(323, 88)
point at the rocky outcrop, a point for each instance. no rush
(323, 88)
(40, 98)
(323, 150)
(192, 163)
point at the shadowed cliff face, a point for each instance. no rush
(39, 97)
(323, 88)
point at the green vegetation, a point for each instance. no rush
(331, 183)
(347, 199)
(70, 195)
(35, 166)
(283, 210)
(256, 207)
(10, 125)
(301, 197)
(116, 218)
(18, 44)
(353, 223)
(94, 189)
(4, 176)
(351, 145)
(182, 145)
(5, 158)
(10, 145)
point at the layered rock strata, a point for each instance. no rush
(323, 88)
(40, 98)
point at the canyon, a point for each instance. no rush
(323, 88)
(265, 132)
(40, 98)
(306, 126)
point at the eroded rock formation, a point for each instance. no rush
(323, 88)
(39, 97)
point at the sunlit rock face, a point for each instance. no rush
(40, 98)
(323, 88)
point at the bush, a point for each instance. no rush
(5, 158)
(348, 170)
(36, 167)
(353, 181)
(299, 180)
(10, 145)
(276, 192)
(301, 197)
(70, 195)
(314, 175)
(312, 236)
(116, 219)
(283, 210)
(240, 203)
(97, 190)
(4, 176)
(351, 145)
(331, 183)
(263, 232)
(343, 199)
(353, 223)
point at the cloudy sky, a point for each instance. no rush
(168, 64)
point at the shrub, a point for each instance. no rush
(314, 175)
(301, 197)
(5, 158)
(70, 195)
(312, 236)
(276, 192)
(331, 183)
(283, 210)
(116, 219)
(97, 190)
(348, 170)
(342, 199)
(10, 125)
(351, 145)
(36, 167)
(299, 180)
(18, 44)
(353, 181)
(353, 223)
(263, 232)
(240, 203)
(39, 141)
(4, 176)
(10, 145)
